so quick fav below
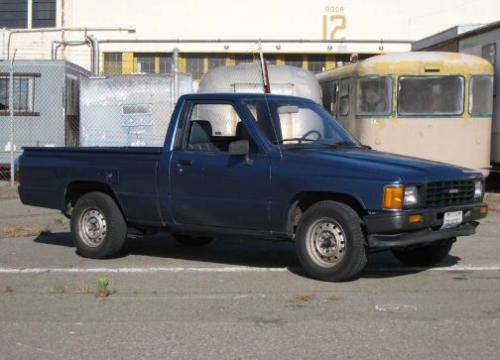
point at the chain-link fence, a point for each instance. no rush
(52, 103)
(39, 106)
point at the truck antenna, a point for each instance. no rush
(265, 74)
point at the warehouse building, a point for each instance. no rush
(140, 36)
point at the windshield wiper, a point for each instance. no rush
(344, 143)
(300, 140)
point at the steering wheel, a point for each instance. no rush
(310, 132)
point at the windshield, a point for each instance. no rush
(431, 95)
(298, 123)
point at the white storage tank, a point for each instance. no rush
(129, 110)
(247, 78)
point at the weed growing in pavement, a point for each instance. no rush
(102, 287)
(304, 297)
(58, 289)
(85, 289)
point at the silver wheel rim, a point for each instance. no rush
(326, 242)
(93, 227)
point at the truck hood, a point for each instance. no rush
(359, 162)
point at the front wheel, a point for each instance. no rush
(427, 255)
(330, 242)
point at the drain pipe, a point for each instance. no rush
(94, 46)
(57, 44)
(130, 30)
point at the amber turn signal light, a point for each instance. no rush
(415, 218)
(483, 210)
(393, 197)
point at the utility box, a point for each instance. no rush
(46, 105)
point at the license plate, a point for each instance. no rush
(452, 219)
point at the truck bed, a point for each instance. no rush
(129, 172)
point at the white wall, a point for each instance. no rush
(282, 19)
(265, 19)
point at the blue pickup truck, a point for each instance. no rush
(259, 165)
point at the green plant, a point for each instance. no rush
(58, 289)
(102, 287)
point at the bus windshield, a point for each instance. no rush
(374, 95)
(431, 95)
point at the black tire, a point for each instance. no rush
(111, 227)
(424, 256)
(352, 256)
(193, 240)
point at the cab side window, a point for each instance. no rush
(211, 127)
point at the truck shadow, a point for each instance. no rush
(241, 252)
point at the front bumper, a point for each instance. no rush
(393, 229)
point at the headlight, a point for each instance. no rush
(411, 196)
(397, 196)
(478, 190)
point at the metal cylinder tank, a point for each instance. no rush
(247, 77)
(128, 110)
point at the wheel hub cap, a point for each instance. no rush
(93, 227)
(326, 242)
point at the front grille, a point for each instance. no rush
(444, 193)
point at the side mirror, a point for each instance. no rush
(241, 148)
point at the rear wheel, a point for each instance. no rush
(193, 240)
(97, 225)
(427, 255)
(330, 242)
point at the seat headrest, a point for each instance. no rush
(201, 132)
(242, 132)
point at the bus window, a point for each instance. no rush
(431, 95)
(326, 89)
(344, 97)
(374, 95)
(329, 89)
(481, 95)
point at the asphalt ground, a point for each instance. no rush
(237, 299)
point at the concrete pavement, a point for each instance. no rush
(239, 298)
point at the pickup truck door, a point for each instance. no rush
(210, 187)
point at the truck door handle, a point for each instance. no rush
(184, 162)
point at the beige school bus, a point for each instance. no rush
(431, 105)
